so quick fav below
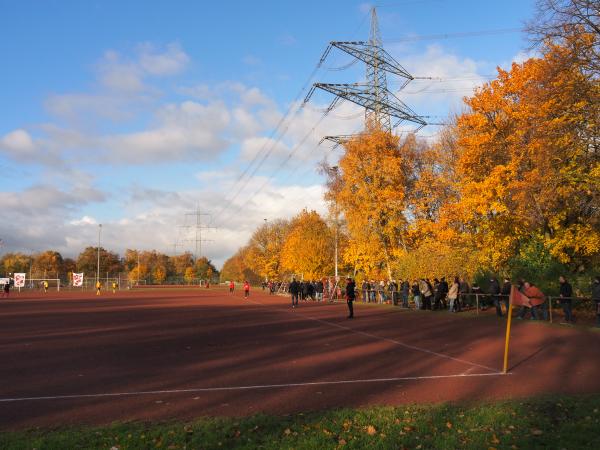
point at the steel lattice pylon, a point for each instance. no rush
(380, 104)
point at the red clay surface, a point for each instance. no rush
(74, 358)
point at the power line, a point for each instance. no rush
(281, 165)
(464, 34)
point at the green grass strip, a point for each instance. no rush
(549, 422)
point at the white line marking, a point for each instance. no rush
(241, 388)
(412, 347)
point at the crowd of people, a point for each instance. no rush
(454, 296)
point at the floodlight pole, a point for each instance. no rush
(98, 268)
(334, 169)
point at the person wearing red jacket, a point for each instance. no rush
(231, 287)
(246, 289)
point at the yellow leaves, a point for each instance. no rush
(308, 247)
(371, 430)
(449, 425)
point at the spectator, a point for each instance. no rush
(393, 290)
(444, 291)
(416, 293)
(596, 298)
(405, 287)
(566, 294)
(536, 298)
(494, 292)
(319, 289)
(372, 291)
(437, 293)
(365, 291)
(426, 292)
(453, 296)
(350, 297)
(381, 291)
(465, 290)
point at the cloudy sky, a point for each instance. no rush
(133, 113)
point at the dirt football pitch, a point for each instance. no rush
(162, 354)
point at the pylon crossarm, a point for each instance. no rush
(373, 55)
(363, 95)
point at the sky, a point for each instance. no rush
(136, 115)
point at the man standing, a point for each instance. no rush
(294, 289)
(231, 287)
(495, 294)
(350, 297)
(405, 289)
(596, 298)
(98, 287)
(246, 289)
(566, 292)
(444, 288)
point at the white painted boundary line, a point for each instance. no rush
(364, 333)
(241, 388)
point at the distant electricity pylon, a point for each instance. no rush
(380, 104)
(197, 229)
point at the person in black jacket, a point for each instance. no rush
(294, 291)
(566, 292)
(350, 297)
(444, 288)
(596, 298)
(495, 295)
(405, 288)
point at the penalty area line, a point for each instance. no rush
(251, 387)
(382, 338)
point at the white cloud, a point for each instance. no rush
(17, 143)
(123, 74)
(85, 220)
(169, 61)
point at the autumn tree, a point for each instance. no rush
(308, 247)
(87, 261)
(180, 263)
(560, 21)
(376, 174)
(529, 165)
(189, 275)
(15, 262)
(235, 268)
(202, 267)
(48, 264)
(263, 253)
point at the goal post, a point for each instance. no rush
(38, 283)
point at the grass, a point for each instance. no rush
(550, 422)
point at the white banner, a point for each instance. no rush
(19, 280)
(4, 280)
(77, 279)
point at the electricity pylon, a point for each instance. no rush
(380, 104)
(198, 227)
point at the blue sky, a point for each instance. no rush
(131, 113)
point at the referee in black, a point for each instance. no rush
(350, 296)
